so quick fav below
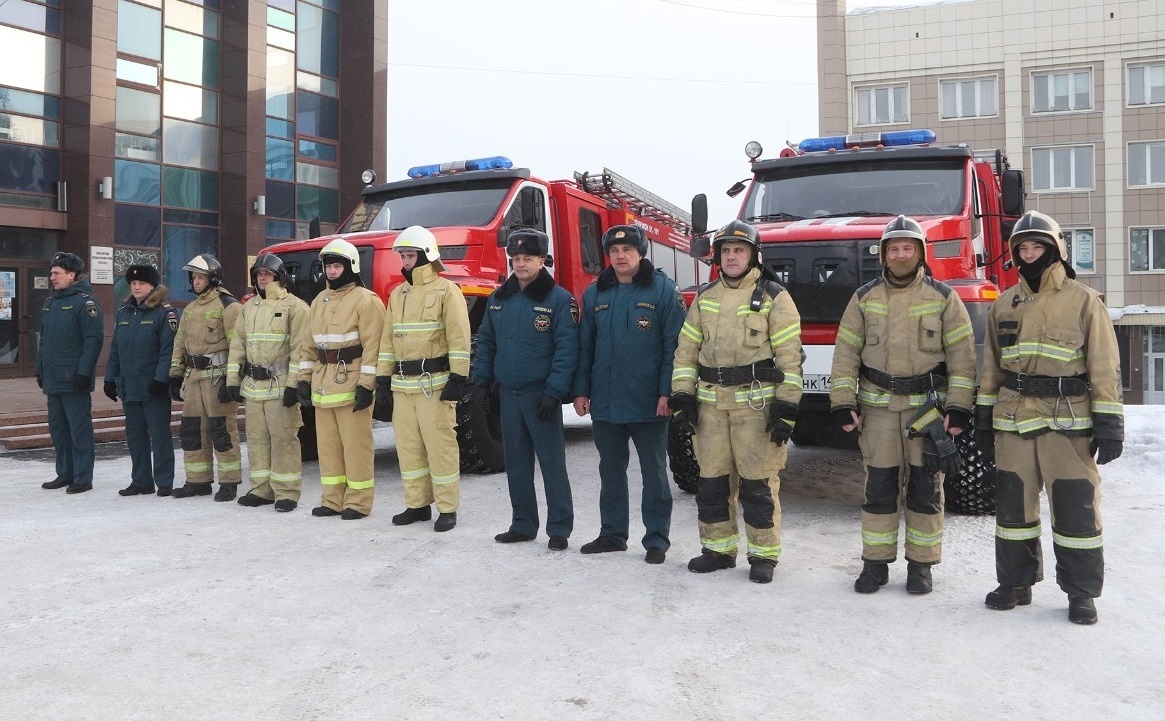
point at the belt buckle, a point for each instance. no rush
(1020, 382)
(720, 375)
(400, 370)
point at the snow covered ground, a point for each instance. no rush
(161, 608)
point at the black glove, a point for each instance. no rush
(39, 383)
(1106, 450)
(547, 405)
(939, 452)
(957, 418)
(684, 411)
(110, 390)
(844, 417)
(383, 409)
(176, 388)
(81, 383)
(454, 389)
(363, 399)
(224, 393)
(303, 393)
(157, 388)
(234, 393)
(290, 397)
(782, 418)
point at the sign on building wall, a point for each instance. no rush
(101, 265)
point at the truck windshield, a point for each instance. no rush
(442, 205)
(853, 189)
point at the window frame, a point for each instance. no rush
(1063, 189)
(1071, 73)
(1150, 231)
(978, 80)
(871, 89)
(1149, 171)
(1147, 87)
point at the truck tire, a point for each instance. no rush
(479, 435)
(973, 491)
(685, 470)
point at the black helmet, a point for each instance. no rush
(528, 241)
(69, 262)
(631, 235)
(902, 227)
(270, 262)
(736, 232)
(1037, 227)
(206, 264)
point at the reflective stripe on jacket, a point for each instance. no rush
(207, 325)
(350, 316)
(270, 333)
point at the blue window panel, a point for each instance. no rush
(136, 182)
(180, 244)
(317, 115)
(189, 217)
(139, 30)
(318, 201)
(280, 199)
(29, 168)
(280, 159)
(280, 128)
(140, 73)
(32, 16)
(192, 19)
(136, 147)
(318, 151)
(191, 59)
(279, 231)
(138, 112)
(139, 225)
(193, 189)
(318, 38)
(29, 103)
(288, 5)
(280, 19)
(189, 144)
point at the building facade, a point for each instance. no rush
(154, 130)
(1073, 91)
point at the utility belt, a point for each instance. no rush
(1046, 386)
(340, 355)
(265, 373)
(764, 370)
(906, 385)
(202, 362)
(421, 366)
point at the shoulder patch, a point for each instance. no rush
(172, 319)
(91, 308)
(680, 299)
(574, 311)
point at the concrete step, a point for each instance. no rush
(108, 425)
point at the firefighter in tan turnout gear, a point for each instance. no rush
(904, 365)
(337, 375)
(262, 370)
(424, 361)
(1051, 390)
(736, 382)
(210, 427)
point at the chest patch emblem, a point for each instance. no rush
(541, 322)
(643, 323)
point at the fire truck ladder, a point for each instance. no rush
(620, 192)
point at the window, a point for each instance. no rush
(1081, 249)
(1062, 169)
(1146, 249)
(1147, 84)
(1062, 91)
(1147, 163)
(590, 238)
(882, 105)
(970, 98)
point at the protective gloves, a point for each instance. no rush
(176, 388)
(157, 387)
(81, 383)
(224, 393)
(939, 452)
(782, 418)
(685, 412)
(363, 399)
(383, 409)
(290, 397)
(957, 418)
(110, 390)
(234, 393)
(844, 417)
(547, 406)
(303, 393)
(1106, 450)
(454, 389)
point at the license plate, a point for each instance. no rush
(814, 383)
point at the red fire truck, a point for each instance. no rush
(820, 208)
(471, 207)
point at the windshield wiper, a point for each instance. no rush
(773, 217)
(853, 213)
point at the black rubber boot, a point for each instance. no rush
(55, 484)
(1081, 610)
(192, 489)
(136, 491)
(445, 522)
(874, 575)
(351, 514)
(1006, 598)
(250, 500)
(324, 512)
(165, 491)
(412, 515)
(762, 570)
(918, 578)
(226, 492)
(602, 544)
(283, 505)
(512, 537)
(709, 561)
(78, 488)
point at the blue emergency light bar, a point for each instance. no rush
(867, 140)
(497, 162)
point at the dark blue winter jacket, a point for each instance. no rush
(71, 334)
(143, 340)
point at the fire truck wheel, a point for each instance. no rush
(308, 450)
(685, 470)
(973, 491)
(479, 430)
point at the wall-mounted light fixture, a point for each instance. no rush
(260, 205)
(105, 188)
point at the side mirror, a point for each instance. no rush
(700, 247)
(550, 261)
(736, 189)
(1013, 195)
(699, 214)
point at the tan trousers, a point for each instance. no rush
(346, 458)
(738, 462)
(894, 471)
(209, 430)
(273, 454)
(426, 445)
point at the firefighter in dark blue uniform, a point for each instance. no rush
(528, 344)
(138, 370)
(72, 332)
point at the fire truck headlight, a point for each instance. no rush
(753, 150)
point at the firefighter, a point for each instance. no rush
(337, 375)
(270, 333)
(528, 344)
(631, 319)
(72, 331)
(210, 426)
(1051, 390)
(904, 366)
(138, 368)
(421, 376)
(736, 383)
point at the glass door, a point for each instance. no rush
(23, 289)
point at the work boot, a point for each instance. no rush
(874, 575)
(655, 555)
(412, 515)
(283, 505)
(602, 544)
(78, 488)
(1007, 597)
(512, 537)
(762, 570)
(164, 491)
(250, 500)
(445, 522)
(557, 543)
(133, 490)
(192, 489)
(1081, 610)
(226, 492)
(324, 512)
(709, 561)
(55, 484)
(351, 514)
(918, 578)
